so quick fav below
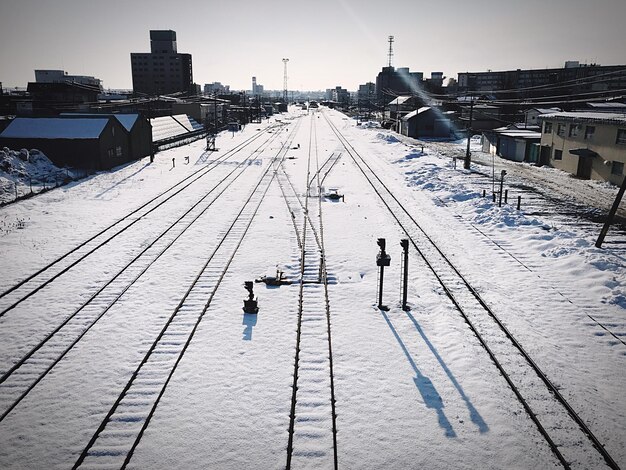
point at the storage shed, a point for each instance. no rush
(88, 143)
(137, 126)
(426, 122)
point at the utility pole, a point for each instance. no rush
(386, 75)
(612, 212)
(211, 133)
(468, 155)
(285, 96)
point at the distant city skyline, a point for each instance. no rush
(328, 43)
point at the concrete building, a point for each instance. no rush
(588, 145)
(338, 95)
(216, 88)
(52, 98)
(256, 88)
(391, 82)
(484, 116)
(163, 70)
(366, 92)
(205, 111)
(572, 79)
(61, 76)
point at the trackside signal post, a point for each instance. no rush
(250, 305)
(382, 260)
(404, 243)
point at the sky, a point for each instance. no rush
(328, 42)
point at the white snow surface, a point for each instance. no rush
(413, 389)
(26, 169)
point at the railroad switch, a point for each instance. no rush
(278, 280)
(334, 195)
(250, 305)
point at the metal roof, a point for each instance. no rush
(600, 118)
(55, 128)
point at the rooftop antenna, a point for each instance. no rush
(285, 81)
(390, 49)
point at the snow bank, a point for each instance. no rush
(21, 168)
(566, 252)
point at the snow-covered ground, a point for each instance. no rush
(413, 389)
(23, 172)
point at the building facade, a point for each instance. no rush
(587, 145)
(257, 89)
(216, 88)
(61, 76)
(338, 95)
(163, 70)
(571, 79)
(392, 82)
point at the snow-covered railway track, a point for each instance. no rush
(27, 371)
(569, 437)
(326, 167)
(312, 426)
(560, 211)
(116, 438)
(37, 281)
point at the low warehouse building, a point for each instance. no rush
(427, 122)
(137, 126)
(88, 143)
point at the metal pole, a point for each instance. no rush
(405, 275)
(609, 219)
(380, 287)
(468, 155)
(502, 173)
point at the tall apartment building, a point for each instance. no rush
(392, 82)
(163, 70)
(572, 79)
(256, 88)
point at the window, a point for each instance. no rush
(589, 131)
(560, 130)
(558, 154)
(574, 130)
(118, 151)
(617, 168)
(621, 136)
(547, 128)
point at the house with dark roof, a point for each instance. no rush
(137, 127)
(81, 142)
(427, 122)
(519, 143)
